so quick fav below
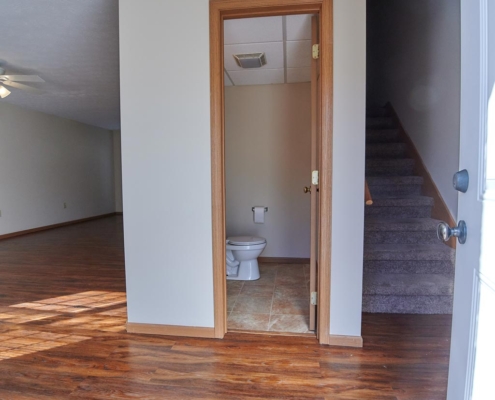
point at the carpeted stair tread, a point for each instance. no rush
(389, 166)
(408, 284)
(400, 207)
(400, 252)
(445, 267)
(385, 150)
(400, 224)
(400, 230)
(394, 180)
(395, 185)
(404, 201)
(382, 135)
(407, 304)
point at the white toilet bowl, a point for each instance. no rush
(246, 250)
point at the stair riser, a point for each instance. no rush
(407, 304)
(395, 150)
(384, 136)
(401, 237)
(379, 123)
(395, 190)
(398, 212)
(408, 267)
(377, 112)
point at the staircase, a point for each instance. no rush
(407, 269)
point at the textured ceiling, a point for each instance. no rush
(74, 46)
(286, 42)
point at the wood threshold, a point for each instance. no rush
(48, 227)
(270, 333)
(228, 9)
(346, 341)
(283, 260)
(170, 330)
(440, 210)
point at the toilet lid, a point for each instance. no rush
(245, 240)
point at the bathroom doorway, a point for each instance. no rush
(268, 164)
(267, 152)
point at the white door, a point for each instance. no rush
(472, 354)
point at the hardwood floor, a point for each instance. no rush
(65, 339)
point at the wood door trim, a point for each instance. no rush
(228, 9)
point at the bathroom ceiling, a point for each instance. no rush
(74, 47)
(286, 42)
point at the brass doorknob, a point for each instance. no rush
(307, 189)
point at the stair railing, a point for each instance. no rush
(367, 195)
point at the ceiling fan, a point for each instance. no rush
(13, 81)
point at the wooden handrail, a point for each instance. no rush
(367, 195)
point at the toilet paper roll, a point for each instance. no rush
(259, 215)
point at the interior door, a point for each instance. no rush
(473, 328)
(315, 162)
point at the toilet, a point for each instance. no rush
(242, 257)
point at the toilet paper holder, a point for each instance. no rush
(266, 209)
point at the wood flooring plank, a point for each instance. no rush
(53, 350)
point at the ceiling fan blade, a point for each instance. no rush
(23, 87)
(4, 92)
(22, 78)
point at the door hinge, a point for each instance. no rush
(314, 298)
(316, 51)
(315, 179)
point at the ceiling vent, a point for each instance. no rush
(254, 60)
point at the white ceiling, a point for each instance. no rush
(286, 42)
(74, 47)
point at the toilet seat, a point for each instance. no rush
(245, 240)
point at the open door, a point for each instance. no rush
(473, 327)
(315, 166)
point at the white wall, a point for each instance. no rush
(268, 163)
(166, 161)
(348, 166)
(117, 170)
(414, 62)
(46, 161)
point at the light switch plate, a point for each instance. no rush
(314, 178)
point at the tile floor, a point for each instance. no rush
(277, 302)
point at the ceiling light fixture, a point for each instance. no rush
(4, 92)
(254, 60)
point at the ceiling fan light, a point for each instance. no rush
(4, 92)
(255, 60)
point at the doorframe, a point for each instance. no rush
(221, 10)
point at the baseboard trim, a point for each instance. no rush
(440, 210)
(346, 341)
(284, 260)
(171, 330)
(48, 227)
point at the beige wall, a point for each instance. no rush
(117, 170)
(166, 165)
(46, 161)
(267, 163)
(166, 162)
